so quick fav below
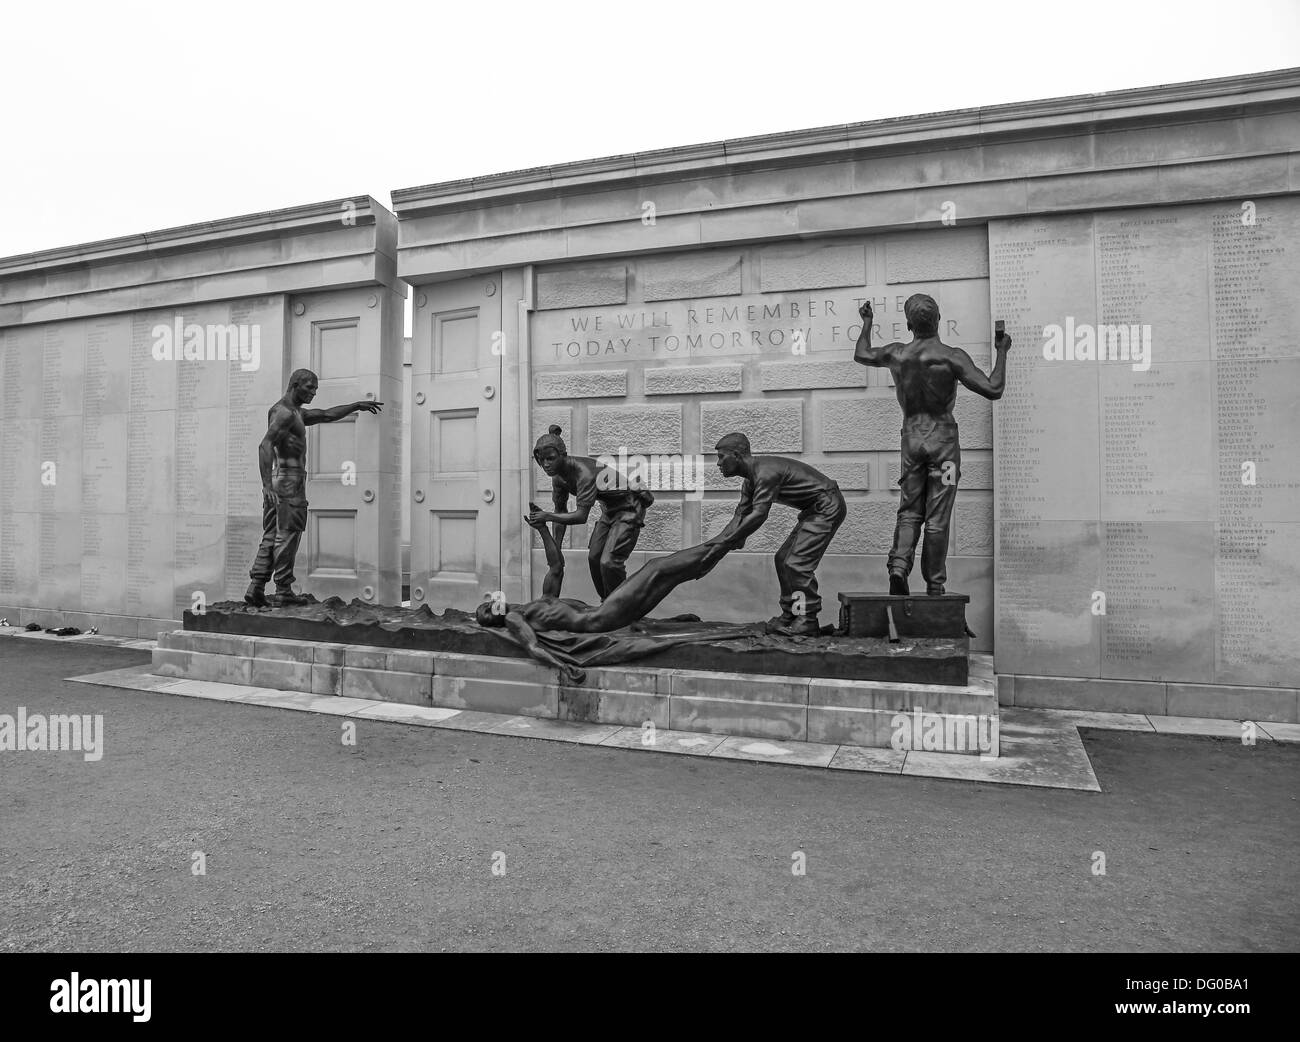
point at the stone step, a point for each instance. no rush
(804, 709)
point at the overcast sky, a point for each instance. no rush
(122, 117)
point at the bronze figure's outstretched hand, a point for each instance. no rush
(368, 406)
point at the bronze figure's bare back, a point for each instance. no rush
(924, 379)
(926, 373)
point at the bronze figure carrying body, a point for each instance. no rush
(926, 372)
(821, 506)
(623, 509)
(282, 460)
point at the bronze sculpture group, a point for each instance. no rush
(925, 372)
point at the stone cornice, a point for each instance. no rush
(335, 244)
(1161, 105)
(306, 219)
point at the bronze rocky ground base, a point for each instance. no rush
(738, 648)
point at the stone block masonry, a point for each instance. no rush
(787, 708)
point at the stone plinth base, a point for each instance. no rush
(805, 709)
(1151, 697)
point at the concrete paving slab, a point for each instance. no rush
(470, 720)
(400, 712)
(685, 743)
(135, 678)
(554, 730)
(1203, 726)
(767, 750)
(1035, 750)
(107, 640)
(1102, 721)
(334, 705)
(857, 758)
(208, 689)
(1281, 732)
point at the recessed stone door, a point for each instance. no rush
(338, 336)
(456, 442)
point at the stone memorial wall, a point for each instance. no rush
(128, 481)
(660, 356)
(651, 318)
(1147, 485)
(135, 378)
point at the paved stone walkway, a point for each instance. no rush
(1040, 749)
